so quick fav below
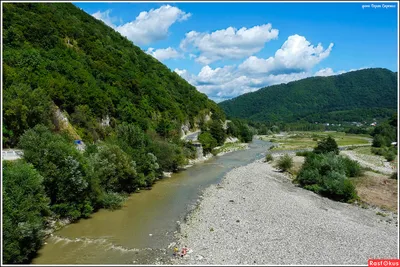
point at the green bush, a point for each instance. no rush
(72, 210)
(24, 207)
(327, 174)
(390, 156)
(218, 132)
(309, 177)
(285, 162)
(170, 156)
(269, 158)
(303, 153)
(112, 201)
(314, 187)
(327, 145)
(336, 186)
(207, 141)
(114, 169)
(393, 176)
(62, 166)
(353, 169)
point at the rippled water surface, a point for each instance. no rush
(141, 231)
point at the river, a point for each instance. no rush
(141, 231)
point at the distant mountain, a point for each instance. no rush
(353, 96)
(55, 53)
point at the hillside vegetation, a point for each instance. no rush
(57, 53)
(69, 76)
(353, 96)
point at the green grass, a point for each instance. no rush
(226, 147)
(303, 140)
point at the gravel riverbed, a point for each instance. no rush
(256, 215)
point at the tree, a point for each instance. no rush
(114, 169)
(245, 133)
(169, 155)
(327, 145)
(62, 167)
(207, 141)
(164, 128)
(232, 130)
(24, 207)
(217, 131)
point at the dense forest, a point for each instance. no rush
(354, 96)
(57, 54)
(68, 76)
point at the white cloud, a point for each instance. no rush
(105, 17)
(328, 72)
(163, 54)
(229, 81)
(183, 73)
(148, 26)
(296, 55)
(228, 43)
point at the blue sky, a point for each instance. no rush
(227, 49)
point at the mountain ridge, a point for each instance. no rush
(320, 98)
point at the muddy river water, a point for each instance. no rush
(142, 230)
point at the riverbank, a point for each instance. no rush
(229, 147)
(257, 216)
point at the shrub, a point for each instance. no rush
(327, 145)
(62, 167)
(114, 169)
(336, 186)
(207, 141)
(378, 151)
(353, 169)
(390, 156)
(393, 176)
(309, 176)
(285, 162)
(169, 155)
(218, 132)
(112, 201)
(269, 158)
(326, 174)
(303, 153)
(315, 188)
(24, 207)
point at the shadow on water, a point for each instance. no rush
(141, 231)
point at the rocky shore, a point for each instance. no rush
(256, 215)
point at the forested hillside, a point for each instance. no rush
(68, 76)
(56, 53)
(353, 96)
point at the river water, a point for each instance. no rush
(142, 230)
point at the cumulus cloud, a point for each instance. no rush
(229, 43)
(328, 72)
(148, 26)
(105, 17)
(296, 55)
(228, 81)
(163, 54)
(183, 73)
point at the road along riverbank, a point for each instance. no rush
(255, 215)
